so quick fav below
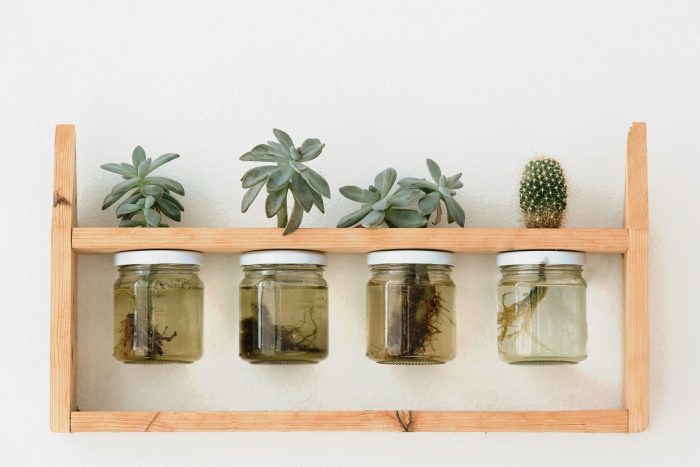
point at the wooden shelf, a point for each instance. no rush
(67, 240)
(590, 421)
(237, 240)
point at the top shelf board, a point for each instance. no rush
(354, 240)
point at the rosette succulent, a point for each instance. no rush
(150, 198)
(288, 174)
(442, 188)
(543, 193)
(380, 205)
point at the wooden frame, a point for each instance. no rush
(631, 241)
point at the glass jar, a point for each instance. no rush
(410, 307)
(158, 307)
(283, 307)
(542, 307)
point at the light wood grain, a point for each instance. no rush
(63, 280)
(390, 420)
(236, 240)
(636, 283)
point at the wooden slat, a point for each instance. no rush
(236, 240)
(63, 279)
(636, 282)
(572, 421)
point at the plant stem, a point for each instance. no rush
(282, 215)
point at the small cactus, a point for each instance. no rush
(543, 194)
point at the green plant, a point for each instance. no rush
(290, 173)
(379, 205)
(442, 188)
(151, 196)
(543, 193)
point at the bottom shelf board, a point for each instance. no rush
(588, 421)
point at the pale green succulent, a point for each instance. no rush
(442, 188)
(379, 205)
(151, 196)
(290, 173)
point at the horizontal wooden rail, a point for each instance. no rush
(237, 240)
(609, 421)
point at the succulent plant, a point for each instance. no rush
(543, 193)
(290, 173)
(150, 198)
(379, 205)
(442, 188)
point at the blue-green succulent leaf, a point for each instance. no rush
(434, 170)
(454, 210)
(138, 156)
(384, 181)
(318, 183)
(430, 203)
(279, 178)
(302, 192)
(283, 138)
(294, 219)
(274, 202)
(257, 175)
(164, 159)
(358, 194)
(406, 197)
(127, 172)
(250, 196)
(152, 217)
(404, 218)
(354, 217)
(373, 219)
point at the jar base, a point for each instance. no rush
(409, 361)
(555, 360)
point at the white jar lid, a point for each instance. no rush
(126, 258)
(410, 257)
(546, 257)
(283, 257)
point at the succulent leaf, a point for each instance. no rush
(429, 203)
(152, 190)
(250, 195)
(274, 202)
(257, 175)
(384, 181)
(138, 156)
(152, 217)
(434, 170)
(406, 197)
(127, 172)
(404, 218)
(373, 219)
(302, 192)
(166, 183)
(318, 183)
(294, 219)
(454, 210)
(143, 167)
(354, 217)
(358, 194)
(279, 178)
(150, 201)
(311, 149)
(160, 160)
(284, 139)
(169, 209)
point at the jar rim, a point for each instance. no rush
(136, 257)
(436, 257)
(541, 257)
(253, 258)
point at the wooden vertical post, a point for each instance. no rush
(63, 280)
(636, 321)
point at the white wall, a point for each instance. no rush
(479, 86)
